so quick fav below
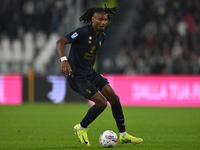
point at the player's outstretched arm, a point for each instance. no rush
(65, 66)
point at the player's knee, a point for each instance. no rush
(103, 104)
(115, 100)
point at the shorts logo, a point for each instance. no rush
(88, 90)
(74, 35)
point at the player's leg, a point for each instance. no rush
(104, 87)
(110, 95)
(117, 112)
(92, 114)
(95, 110)
(87, 89)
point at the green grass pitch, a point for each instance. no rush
(45, 126)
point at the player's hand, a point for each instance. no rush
(66, 68)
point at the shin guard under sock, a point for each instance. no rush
(119, 117)
(91, 115)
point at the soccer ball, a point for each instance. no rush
(108, 139)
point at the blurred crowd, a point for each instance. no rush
(164, 39)
(18, 16)
(29, 30)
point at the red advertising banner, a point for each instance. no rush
(10, 89)
(163, 91)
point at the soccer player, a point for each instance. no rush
(82, 78)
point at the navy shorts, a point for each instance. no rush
(87, 86)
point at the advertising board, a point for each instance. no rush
(156, 90)
(10, 89)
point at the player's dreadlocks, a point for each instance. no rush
(87, 16)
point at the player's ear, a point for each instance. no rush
(93, 19)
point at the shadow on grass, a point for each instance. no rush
(89, 147)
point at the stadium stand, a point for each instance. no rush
(164, 39)
(28, 32)
(153, 37)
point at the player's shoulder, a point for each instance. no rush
(83, 29)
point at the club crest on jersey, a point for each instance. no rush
(90, 38)
(74, 35)
(92, 49)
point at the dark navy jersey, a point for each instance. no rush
(84, 45)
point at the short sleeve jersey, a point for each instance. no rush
(84, 45)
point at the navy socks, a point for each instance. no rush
(95, 111)
(119, 117)
(91, 115)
